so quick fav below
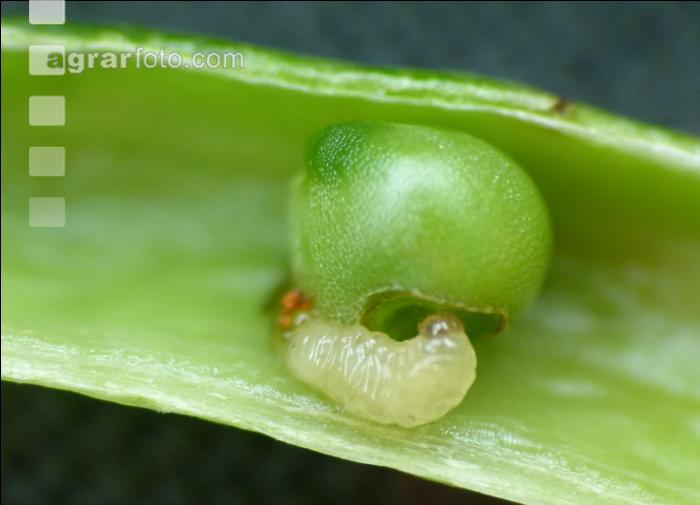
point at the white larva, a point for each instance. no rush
(407, 383)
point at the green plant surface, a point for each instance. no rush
(157, 293)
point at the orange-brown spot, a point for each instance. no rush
(292, 302)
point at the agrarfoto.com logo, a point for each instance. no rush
(55, 60)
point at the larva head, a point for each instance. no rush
(392, 222)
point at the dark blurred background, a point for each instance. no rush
(637, 59)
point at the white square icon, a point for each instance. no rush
(47, 212)
(47, 12)
(47, 110)
(47, 161)
(47, 60)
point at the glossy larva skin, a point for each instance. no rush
(406, 383)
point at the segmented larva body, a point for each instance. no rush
(408, 383)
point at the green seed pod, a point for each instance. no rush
(392, 223)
